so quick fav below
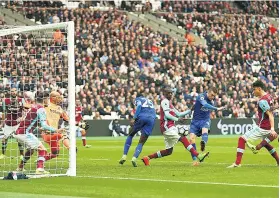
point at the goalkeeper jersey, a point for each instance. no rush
(54, 113)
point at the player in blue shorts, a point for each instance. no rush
(144, 121)
(201, 118)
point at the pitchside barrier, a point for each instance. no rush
(218, 127)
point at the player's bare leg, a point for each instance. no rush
(21, 150)
(83, 132)
(127, 145)
(159, 154)
(192, 141)
(266, 141)
(138, 149)
(66, 142)
(4, 147)
(204, 140)
(26, 157)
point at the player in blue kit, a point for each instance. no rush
(201, 119)
(144, 121)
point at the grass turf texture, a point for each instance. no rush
(99, 174)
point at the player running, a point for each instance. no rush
(170, 132)
(144, 121)
(264, 129)
(13, 108)
(201, 119)
(79, 120)
(36, 114)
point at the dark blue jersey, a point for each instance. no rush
(200, 111)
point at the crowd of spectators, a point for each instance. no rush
(267, 8)
(116, 58)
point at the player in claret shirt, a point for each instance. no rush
(81, 125)
(36, 115)
(13, 107)
(263, 130)
(170, 132)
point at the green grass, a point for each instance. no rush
(99, 174)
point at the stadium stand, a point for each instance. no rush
(116, 58)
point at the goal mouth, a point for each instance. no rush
(37, 59)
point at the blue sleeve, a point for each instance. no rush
(263, 104)
(138, 108)
(42, 119)
(205, 104)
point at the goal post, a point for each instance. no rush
(54, 58)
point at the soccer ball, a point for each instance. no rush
(82, 124)
(183, 130)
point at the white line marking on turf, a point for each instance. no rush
(180, 181)
(270, 165)
(185, 162)
(101, 159)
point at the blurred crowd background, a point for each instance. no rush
(116, 58)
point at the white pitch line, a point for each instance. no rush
(270, 165)
(99, 159)
(185, 162)
(180, 181)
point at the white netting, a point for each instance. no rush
(32, 61)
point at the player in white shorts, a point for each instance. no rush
(13, 108)
(263, 130)
(170, 132)
(36, 113)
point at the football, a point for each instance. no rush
(183, 129)
(83, 125)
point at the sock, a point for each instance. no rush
(127, 144)
(188, 146)
(272, 152)
(263, 143)
(4, 147)
(138, 150)
(161, 153)
(50, 156)
(240, 150)
(41, 158)
(204, 137)
(21, 149)
(84, 140)
(26, 157)
(193, 156)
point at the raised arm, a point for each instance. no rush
(42, 118)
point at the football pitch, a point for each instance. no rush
(99, 174)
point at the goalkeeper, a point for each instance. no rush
(54, 113)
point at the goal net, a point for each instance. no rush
(36, 59)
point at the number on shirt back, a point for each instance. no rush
(148, 103)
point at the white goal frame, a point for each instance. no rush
(69, 27)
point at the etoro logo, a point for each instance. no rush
(235, 129)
